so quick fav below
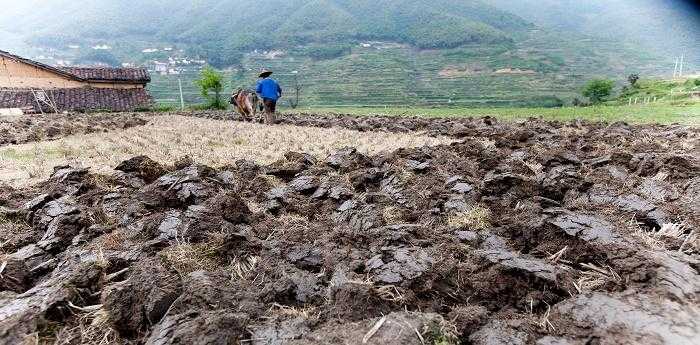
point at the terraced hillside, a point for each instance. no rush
(541, 69)
(350, 52)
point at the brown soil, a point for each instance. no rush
(31, 128)
(529, 233)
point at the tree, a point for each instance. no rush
(294, 103)
(579, 103)
(211, 81)
(99, 57)
(633, 78)
(597, 90)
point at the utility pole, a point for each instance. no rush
(675, 68)
(680, 70)
(182, 100)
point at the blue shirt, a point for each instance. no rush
(269, 88)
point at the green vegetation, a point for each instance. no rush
(99, 57)
(446, 53)
(672, 92)
(324, 51)
(658, 26)
(211, 81)
(598, 90)
(222, 30)
(26, 156)
(524, 73)
(661, 113)
(633, 79)
(159, 108)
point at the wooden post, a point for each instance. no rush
(182, 99)
(630, 102)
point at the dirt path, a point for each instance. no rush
(532, 233)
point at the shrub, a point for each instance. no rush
(211, 85)
(598, 90)
(579, 103)
(632, 79)
(546, 102)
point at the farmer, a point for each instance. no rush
(269, 91)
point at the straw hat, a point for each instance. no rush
(264, 73)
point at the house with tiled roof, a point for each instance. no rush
(36, 87)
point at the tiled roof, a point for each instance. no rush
(137, 75)
(95, 74)
(79, 99)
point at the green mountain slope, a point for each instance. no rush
(669, 27)
(675, 92)
(250, 24)
(438, 52)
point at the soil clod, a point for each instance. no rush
(529, 233)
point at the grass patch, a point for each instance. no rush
(89, 327)
(677, 91)
(186, 258)
(441, 333)
(30, 155)
(475, 218)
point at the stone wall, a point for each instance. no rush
(79, 99)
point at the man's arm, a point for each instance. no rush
(279, 90)
(258, 89)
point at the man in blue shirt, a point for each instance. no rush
(270, 91)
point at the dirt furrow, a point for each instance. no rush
(530, 233)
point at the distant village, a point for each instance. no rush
(164, 60)
(169, 61)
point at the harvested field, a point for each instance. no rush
(32, 128)
(168, 138)
(527, 233)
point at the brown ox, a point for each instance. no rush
(246, 103)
